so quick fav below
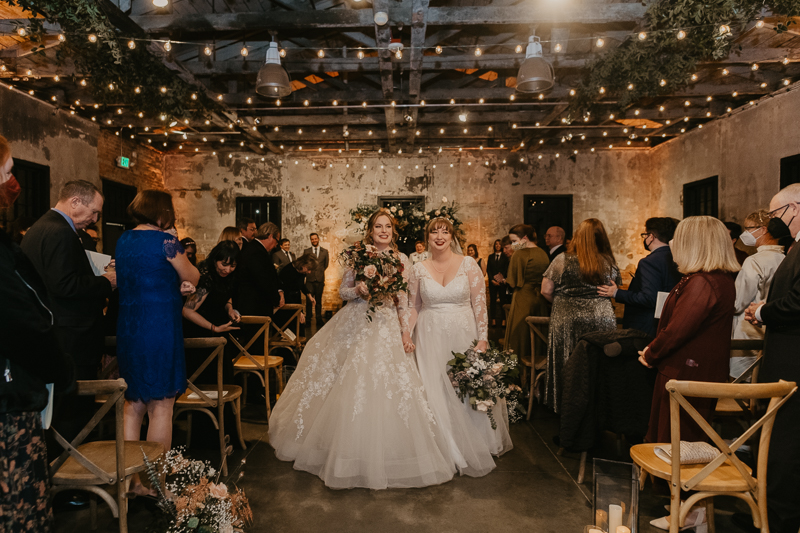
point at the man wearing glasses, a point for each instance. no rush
(781, 314)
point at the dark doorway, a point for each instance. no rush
(701, 198)
(34, 199)
(790, 170)
(406, 241)
(262, 209)
(544, 211)
(115, 213)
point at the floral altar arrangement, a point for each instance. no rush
(381, 272)
(485, 378)
(196, 503)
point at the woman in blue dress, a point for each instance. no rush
(152, 273)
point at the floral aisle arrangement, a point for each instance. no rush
(381, 272)
(485, 378)
(197, 504)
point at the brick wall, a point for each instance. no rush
(147, 164)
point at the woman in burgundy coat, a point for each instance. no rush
(693, 341)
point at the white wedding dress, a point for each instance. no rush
(354, 412)
(447, 319)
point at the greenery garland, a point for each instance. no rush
(635, 69)
(112, 70)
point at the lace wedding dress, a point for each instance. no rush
(447, 319)
(354, 412)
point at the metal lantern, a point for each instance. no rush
(535, 75)
(272, 80)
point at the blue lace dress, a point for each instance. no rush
(149, 328)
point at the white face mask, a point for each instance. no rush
(747, 238)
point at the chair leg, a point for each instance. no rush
(188, 430)
(674, 507)
(582, 468)
(222, 446)
(530, 396)
(281, 384)
(710, 515)
(93, 511)
(122, 506)
(246, 376)
(266, 391)
(237, 407)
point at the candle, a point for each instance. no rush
(614, 517)
(623, 529)
(593, 530)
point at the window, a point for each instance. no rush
(545, 211)
(34, 199)
(263, 209)
(790, 170)
(117, 198)
(701, 198)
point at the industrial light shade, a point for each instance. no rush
(272, 80)
(535, 75)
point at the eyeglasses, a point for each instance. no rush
(644, 235)
(782, 209)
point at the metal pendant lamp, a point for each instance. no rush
(272, 80)
(535, 74)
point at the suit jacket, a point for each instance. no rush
(494, 266)
(280, 259)
(560, 250)
(77, 296)
(781, 315)
(318, 275)
(258, 281)
(655, 273)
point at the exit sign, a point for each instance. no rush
(123, 162)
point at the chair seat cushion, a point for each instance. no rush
(245, 364)
(725, 478)
(229, 393)
(104, 455)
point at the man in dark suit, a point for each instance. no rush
(496, 264)
(77, 296)
(247, 227)
(259, 288)
(282, 256)
(781, 315)
(554, 240)
(655, 273)
(315, 281)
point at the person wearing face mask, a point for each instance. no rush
(753, 283)
(655, 273)
(735, 230)
(780, 313)
(525, 271)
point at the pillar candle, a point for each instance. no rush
(623, 529)
(614, 517)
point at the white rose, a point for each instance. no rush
(437, 213)
(444, 199)
(427, 217)
(393, 209)
(400, 213)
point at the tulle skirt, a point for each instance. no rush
(471, 441)
(354, 412)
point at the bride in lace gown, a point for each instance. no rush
(354, 412)
(448, 299)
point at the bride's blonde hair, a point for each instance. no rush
(373, 218)
(442, 223)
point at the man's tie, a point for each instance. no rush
(316, 252)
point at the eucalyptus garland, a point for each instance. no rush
(112, 70)
(661, 62)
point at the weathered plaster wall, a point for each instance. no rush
(146, 164)
(744, 150)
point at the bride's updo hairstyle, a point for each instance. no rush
(371, 226)
(443, 223)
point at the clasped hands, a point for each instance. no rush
(750, 314)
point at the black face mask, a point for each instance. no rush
(780, 231)
(644, 243)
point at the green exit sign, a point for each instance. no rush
(123, 162)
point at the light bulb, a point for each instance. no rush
(681, 35)
(724, 29)
(422, 103)
(572, 92)
(305, 102)
(56, 78)
(600, 42)
(282, 52)
(161, 3)
(207, 50)
(83, 83)
(785, 61)
(725, 72)
(759, 23)
(694, 77)
(663, 83)
(194, 96)
(557, 47)
(244, 51)
(630, 86)
(438, 49)
(661, 108)
(642, 36)
(478, 52)
(360, 54)
(687, 103)
(92, 38)
(321, 53)
(168, 46)
(137, 90)
(132, 44)
(754, 66)
(399, 54)
(512, 97)
(518, 48)
(735, 94)
(163, 90)
(602, 91)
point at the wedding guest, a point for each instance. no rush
(283, 256)
(247, 229)
(694, 333)
(734, 230)
(496, 268)
(293, 281)
(525, 271)
(753, 283)
(153, 274)
(654, 274)
(781, 316)
(229, 233)
(315, 280)
(19, 227)
(77, 296)
(419, 254)
(472, 251)
(508, 251)
(571, 284)
(554, 239)
(210, 308)
(190, 247)
(30, 358)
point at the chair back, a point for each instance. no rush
(263, 330)
(115, 388)
(538, 326)
(218, 345)
(751, 371)
(778, 393)
(279, 336)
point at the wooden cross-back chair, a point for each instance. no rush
(743, 411)
(204, 398)
(537, 362)
(279, 338)
(91, 465)
(247, 363)
(726, 475)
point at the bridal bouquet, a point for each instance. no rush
(199, 502)
(381, 272)
(485, 378)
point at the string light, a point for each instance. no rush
(438, 49)
(194, 96)
(661, 108)
(282, 52)
(681, 35)
(630, 86)
(557, 47)
(754, 66)
(724, 29)
(572, 92)
(163, 90)
(602, 90)
(663, 83)
(244, 51)
(168, 46)
(735, 94)
(512, 97)
(360, 54)
(321, 53)
(207, 50)
(725, 72)
(92, 38)
(694, 77)
(518, 49)
(478, 52)
(600, 42)
(785, 61)
(132, 44)
(422, 103)
(642, 36)
(759, 23)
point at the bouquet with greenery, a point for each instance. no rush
(381, 272)
(485, 378)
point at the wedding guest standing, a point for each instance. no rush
(315, 280)
(153, 272)
(247, 229)
(525, 271)
(693, 341)
(734, 230)
(210, 309)
(472, 251)
(282, 256)
(571, 284)
(190, 247)
(293, 282)
(419, 254)
(496, 265)
(259, 288)
(554, 239)
(230, 233)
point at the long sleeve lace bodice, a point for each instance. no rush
(348, 291)
(477, 296)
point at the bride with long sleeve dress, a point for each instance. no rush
(448, 312)
(354, 412)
